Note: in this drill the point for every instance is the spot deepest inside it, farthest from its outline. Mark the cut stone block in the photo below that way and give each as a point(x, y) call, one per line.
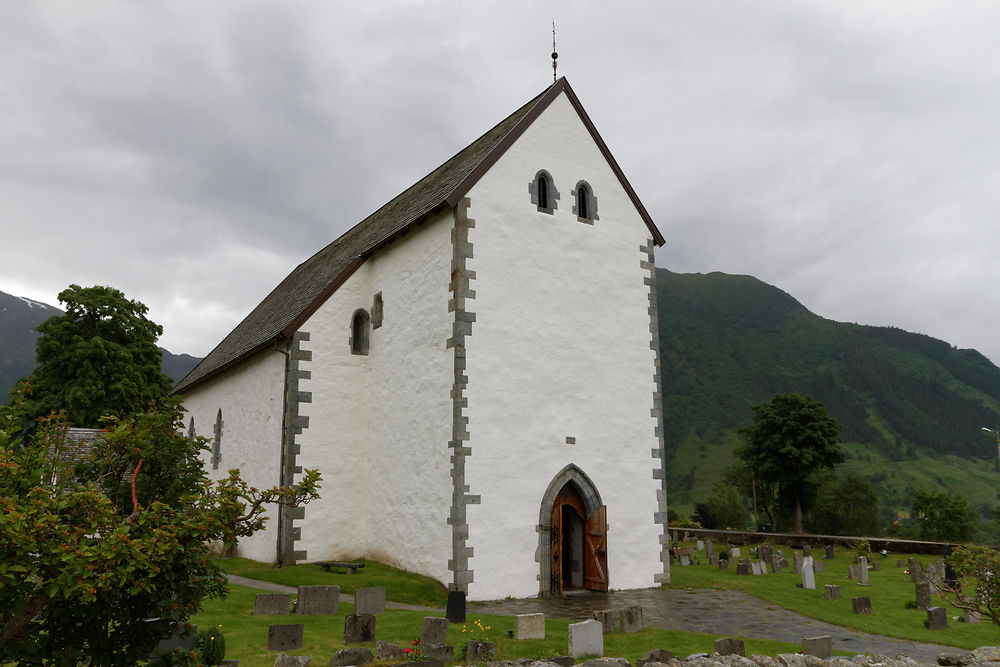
point(434, 631)
point(699, 546)
point(808, 577)
point(852, 572)
point(369, 601)
point(831, 592)
point(798, 562)
point(734, 552)
point(820, 646)
point(743, 567)
point(272, 604)
point(923, 591)
point(586, 638)
point(710, 549)
point(442, 652)
point(478, 652)
point(937, 618)
point(611, 619)
point(877, 566)
point(973, 616)
point(723, 564)
point(355, 655)
point(685, 560)
point(730, 646)
point(829, 551)
point(386, 652)
point(359, 628)
point(455, 612)
point(529, 626)
point(862, 605)
point(632, 619)
point(862, 571)
point(318, 600)
point(284, 637)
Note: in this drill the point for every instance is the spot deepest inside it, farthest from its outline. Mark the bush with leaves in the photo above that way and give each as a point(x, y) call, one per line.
point(101, 556)
point(978, 584)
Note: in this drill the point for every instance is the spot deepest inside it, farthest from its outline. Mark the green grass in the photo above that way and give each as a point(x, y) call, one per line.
point(246, 635)
point(889, 590)
point(400, 586)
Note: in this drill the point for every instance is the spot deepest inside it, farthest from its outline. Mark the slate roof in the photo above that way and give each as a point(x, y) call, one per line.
point(305, 289)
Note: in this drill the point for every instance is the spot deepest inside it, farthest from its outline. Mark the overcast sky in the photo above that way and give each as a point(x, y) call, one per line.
point(192, 153)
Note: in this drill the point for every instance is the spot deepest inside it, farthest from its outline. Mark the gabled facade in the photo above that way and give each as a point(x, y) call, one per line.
point(473, 370)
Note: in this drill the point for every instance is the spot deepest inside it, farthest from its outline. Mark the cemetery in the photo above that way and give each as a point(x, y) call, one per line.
point(367, 625)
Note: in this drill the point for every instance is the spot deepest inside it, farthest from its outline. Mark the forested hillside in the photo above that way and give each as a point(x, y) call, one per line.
point(912, 406)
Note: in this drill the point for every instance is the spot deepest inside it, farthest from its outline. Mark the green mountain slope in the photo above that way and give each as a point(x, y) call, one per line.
point(912, 406)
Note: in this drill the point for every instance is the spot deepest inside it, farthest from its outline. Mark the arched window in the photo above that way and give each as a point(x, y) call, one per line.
point(543, 192)
point(361, 325)
point(584, 202)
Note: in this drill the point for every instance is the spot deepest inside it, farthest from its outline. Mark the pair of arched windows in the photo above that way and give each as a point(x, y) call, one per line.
point(362, 324)
point(544, 195)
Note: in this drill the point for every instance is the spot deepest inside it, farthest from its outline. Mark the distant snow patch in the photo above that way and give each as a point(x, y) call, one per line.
point(34, 304)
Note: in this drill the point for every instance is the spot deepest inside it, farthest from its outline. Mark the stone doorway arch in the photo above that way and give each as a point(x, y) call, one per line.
point(572, 526)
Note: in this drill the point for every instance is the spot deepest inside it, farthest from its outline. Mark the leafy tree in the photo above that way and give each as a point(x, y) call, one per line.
point(943, 516)
point(845, 505)
point(977, 568)
point(726, 506)
point(101, 557)
point(791, 438)
point(759, 493)
point(99, 358)
point(704, 516)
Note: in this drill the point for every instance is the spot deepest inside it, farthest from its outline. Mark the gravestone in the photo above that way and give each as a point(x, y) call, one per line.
point(369, 601)
point(687, 536)
point(937, 618)
point(586, 638)
point(923, 591)
point(783, 562)
point(734, 552)
point(916, 571)
point(831, 592)
point(434, 631)
point(723, 563)
point(359, 628)
point(755, 567)
point(950, 576)
point(529, 626)
point(899, 562)
point(820, 646)
point(775, 564)
point(699, 546)
point(807, 550)
point(852, 572)
point(862, 571)
point(762, 566)
point(611, 619)
point(729, 646)
point(685, 560)
point(632, 619)
point(829, 551)
point(743, 567)
point(477, 652)
point(710, 550)
point(455, 612)
point(712, 560)
point(877, 566)
point(931, 572)
point(798, 562)
point(973, 616)
point(808, 578)
point(386, 652)
point(819, 567)
point(764, 552)
point(440, 652)
point(284, 637)
point(272, 604)
point(862, 605)
point(356, 655)
point(318, 600)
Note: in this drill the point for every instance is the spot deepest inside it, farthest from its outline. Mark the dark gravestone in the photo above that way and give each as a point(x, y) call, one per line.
point(356, 655)
point(435, 631)
point(829, 551)
point(950, 577)
point(923, 591)
point(937, 618)
point(611, 619)
point(743, 567)
point(723, 563)
point(862, 605)
point(455, 612)
point(730, 646)
point(632, 619)
point(318, 600)
point(877, 566)
point(284, 637)
point(359, 628)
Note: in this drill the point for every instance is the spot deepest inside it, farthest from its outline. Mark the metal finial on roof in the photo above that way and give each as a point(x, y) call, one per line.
point(555, 55)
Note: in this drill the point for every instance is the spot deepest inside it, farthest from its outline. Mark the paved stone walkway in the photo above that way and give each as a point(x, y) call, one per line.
point(716, 612)
point(346, 597)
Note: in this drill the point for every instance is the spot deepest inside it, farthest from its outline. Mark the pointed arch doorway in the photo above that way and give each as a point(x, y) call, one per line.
point(573, 544)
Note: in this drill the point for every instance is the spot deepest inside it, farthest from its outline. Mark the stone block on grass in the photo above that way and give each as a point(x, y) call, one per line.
point(730, 646)
point(831, 592)
point(937, 618)
point(586, 638)
point(632, 619)
point(386, 652)
point(434, 631)
point(610, 619)
point(862, 605)
point(359, 628)
point(318, 600)
point(819, 567)
point(355, 655)
point(923, 591)
point(272, 604)
point(820, 646)
point(369, 600)
point(284, 637)
point(529, 626)
point(442, 652)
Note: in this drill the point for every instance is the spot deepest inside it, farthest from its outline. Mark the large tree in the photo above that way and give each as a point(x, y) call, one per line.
point(944, 516)
point(845, 505)
point(102, 554)
point(791, 438)
point(99, 358)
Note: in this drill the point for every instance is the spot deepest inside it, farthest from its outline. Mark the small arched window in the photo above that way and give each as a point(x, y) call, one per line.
point(543, 192)
point(584, 202)
point(361, 325)
point(217, 442)
point(191, 431)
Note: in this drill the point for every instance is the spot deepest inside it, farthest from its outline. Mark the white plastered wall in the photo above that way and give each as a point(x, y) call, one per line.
point(560, 349)
point(251, 399)
point(379, 425)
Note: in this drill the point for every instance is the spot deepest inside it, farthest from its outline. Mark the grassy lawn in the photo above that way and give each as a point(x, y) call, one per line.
point(246, 635)
point(400, 586)
point(890, 589)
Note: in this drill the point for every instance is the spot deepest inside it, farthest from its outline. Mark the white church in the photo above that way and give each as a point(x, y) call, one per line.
point(473, 370)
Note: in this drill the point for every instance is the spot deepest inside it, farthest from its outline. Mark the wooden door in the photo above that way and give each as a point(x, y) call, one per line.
point(555, 549)
point(596, 550)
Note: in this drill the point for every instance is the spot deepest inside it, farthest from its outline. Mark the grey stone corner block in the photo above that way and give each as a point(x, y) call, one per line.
point(529, 626)
point(586, 638)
